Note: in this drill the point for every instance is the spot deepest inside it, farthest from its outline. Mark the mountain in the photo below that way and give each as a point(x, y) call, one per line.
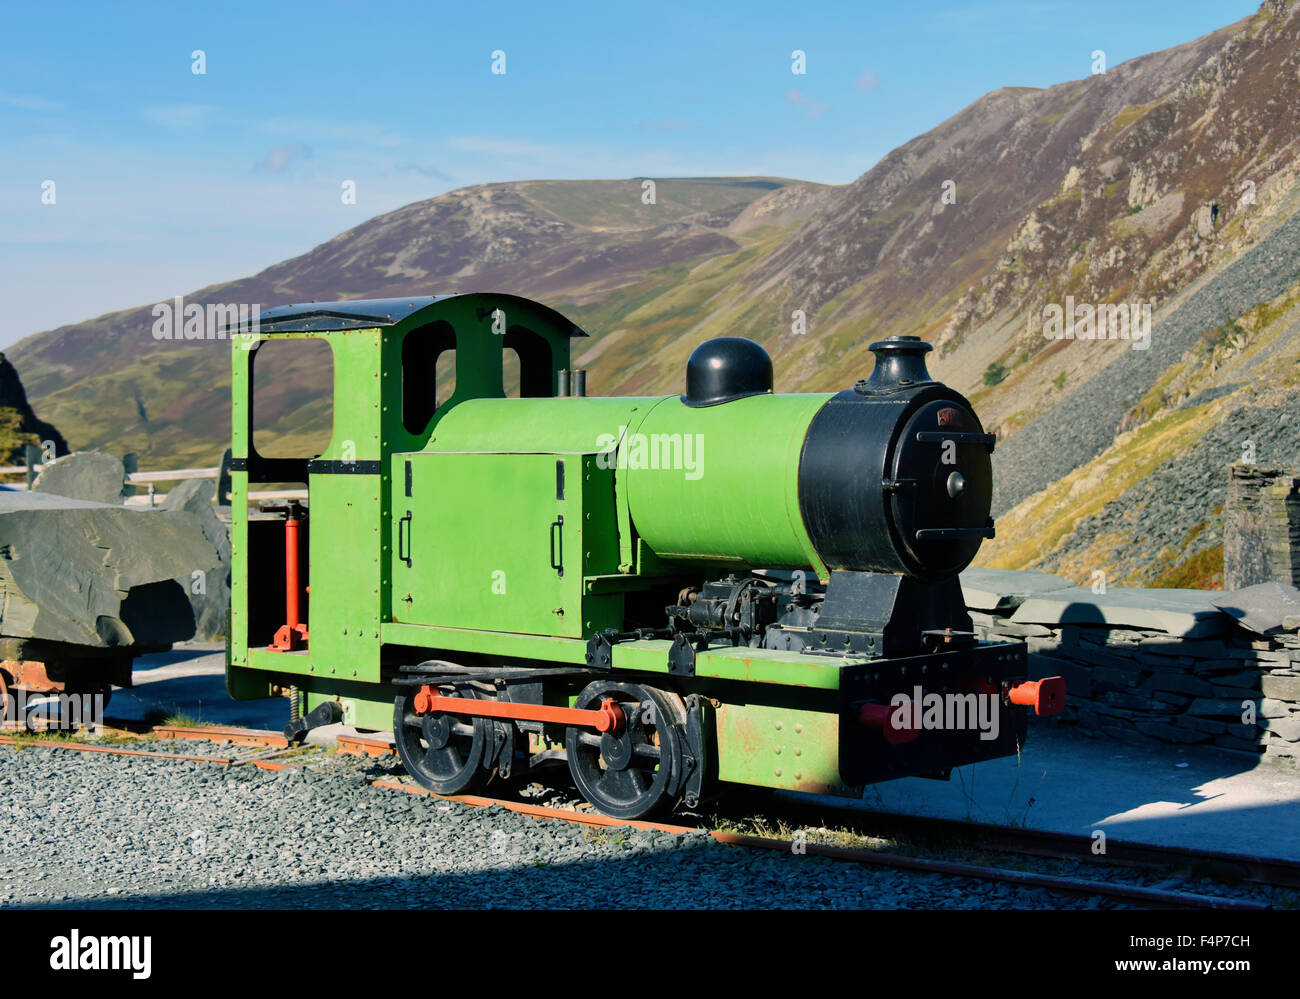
point(19, 424)
point(109, 383)
point(1168, 181)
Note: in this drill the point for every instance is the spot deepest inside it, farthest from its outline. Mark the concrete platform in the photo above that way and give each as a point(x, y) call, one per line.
point(191, 680)
point(1064, 781)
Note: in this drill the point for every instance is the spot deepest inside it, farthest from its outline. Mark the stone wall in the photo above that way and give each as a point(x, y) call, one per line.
point(1167, 666)
point(1261, 539)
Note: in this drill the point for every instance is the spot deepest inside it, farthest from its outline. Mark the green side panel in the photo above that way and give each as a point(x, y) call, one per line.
point(780, 747)
point(543, 648)
point(721, 482)
point(502, 542)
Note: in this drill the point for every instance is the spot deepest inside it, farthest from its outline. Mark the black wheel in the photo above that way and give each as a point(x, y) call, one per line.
point(442, 752)
point(635, 773)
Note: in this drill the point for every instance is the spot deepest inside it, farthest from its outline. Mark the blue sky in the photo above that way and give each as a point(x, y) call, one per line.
point(166, 180)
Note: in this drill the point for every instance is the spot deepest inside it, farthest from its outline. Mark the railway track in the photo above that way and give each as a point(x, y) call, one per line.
point(267, 746)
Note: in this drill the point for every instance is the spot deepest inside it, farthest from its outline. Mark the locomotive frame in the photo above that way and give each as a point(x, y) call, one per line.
point(474, 575)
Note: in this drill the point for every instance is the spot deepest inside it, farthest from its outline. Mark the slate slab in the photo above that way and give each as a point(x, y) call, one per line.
point(208, 590)
point(1263, 608)
point(1006, 589)
point(1181, 613)
point(84, 475)
point(96, 574)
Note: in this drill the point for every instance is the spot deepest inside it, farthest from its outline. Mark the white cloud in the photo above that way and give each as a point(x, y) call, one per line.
point(811, 108)
point(867, 81)
point(278, 160)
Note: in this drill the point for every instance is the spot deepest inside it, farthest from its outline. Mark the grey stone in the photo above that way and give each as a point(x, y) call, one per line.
point(94, 574)
point(1078, 682)
point(1180, 613)
point(1163, 646)
point(1262, 608)
point(1171, 733)
point(1244, 678)
point(209, 591)
point(83, 475)
point(1178, 682)
point(1284, 688)
point(1215, 707)
point(1241, 693)
point(1209, 726)
point(1115, 679)
point(1013, 630)
point(1004, 589)
point(1287, 728)
point(1241, 745)
point(1272, 708)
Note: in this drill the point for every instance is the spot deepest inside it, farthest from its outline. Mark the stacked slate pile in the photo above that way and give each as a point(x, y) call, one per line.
point(93, 574)
point(1173, 666)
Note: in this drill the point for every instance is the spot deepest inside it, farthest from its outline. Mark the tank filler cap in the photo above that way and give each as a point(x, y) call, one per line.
point(726, 368)
point(900, 365)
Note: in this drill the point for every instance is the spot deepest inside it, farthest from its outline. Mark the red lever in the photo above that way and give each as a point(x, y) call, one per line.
point(293, 633)
point(893, 720)
point(1045, 696)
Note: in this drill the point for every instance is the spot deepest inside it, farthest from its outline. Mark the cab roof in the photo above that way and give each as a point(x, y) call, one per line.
point(368, 313)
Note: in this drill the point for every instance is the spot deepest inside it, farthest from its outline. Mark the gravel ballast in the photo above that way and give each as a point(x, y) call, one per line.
point(101, 831)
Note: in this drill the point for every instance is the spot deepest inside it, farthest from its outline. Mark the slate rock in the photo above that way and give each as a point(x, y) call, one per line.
point(1284, 688)
point(95, 574)
point(1167, 732)
point(1263, 608)
point(1215, 707)
point(1180, 613)
point(84, 475)
point(1287, 728)
point(1006, 589)
point(1179, 683)
point(209, 593)
point(1270, 707)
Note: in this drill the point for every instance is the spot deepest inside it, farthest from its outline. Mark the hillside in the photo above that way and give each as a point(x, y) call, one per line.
point(1167, 181)
point(19, 424)
point(108, 383)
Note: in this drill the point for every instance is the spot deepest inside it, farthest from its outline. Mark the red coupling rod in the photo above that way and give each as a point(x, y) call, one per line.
point(893, 720)
point(608, 717)
point(1045, 696)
